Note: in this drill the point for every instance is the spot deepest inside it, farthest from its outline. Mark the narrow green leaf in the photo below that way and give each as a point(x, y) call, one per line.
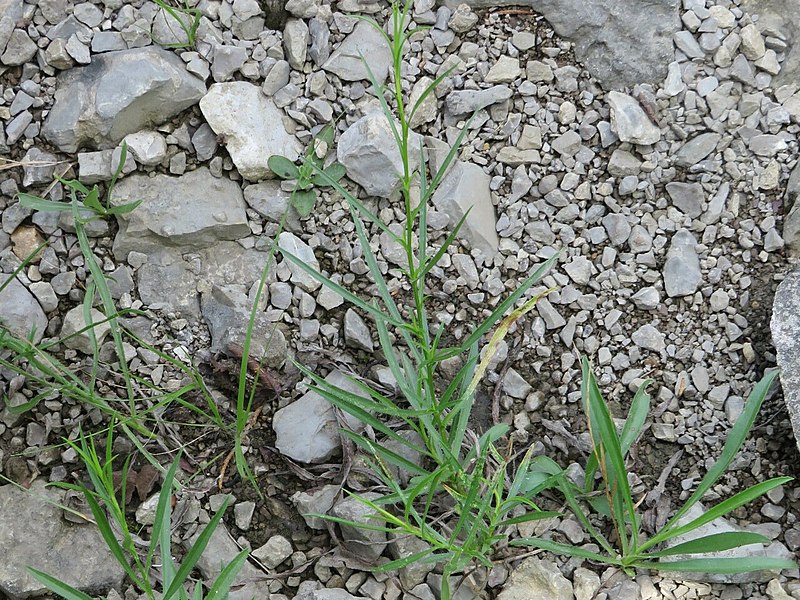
point(721, 509)
point(396, 565)
point(530, 516)
point(564, 549)
point(123, 209)
point(717, 542)
point(721, 565)
point(57, 586)
point(222, 584)
point(733, 442)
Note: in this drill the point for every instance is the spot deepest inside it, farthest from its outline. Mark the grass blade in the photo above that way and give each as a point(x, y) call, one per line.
point(717, 542)
point(721, 565)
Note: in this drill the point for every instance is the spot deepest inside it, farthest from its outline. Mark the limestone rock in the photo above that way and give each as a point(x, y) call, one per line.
point(75, 321)
point(721, 525)
point(535, 578)
point(621, 42)
point(20, 312)
point(194, 210)
point(307, 430)
point(119, 93)
point(292, 244)
point(466, 187)
point(630, 122)
point(364, 543)
point(369, 153)
point(226, 310)
point(785, 326)
point(682, 273)
point(44, 540)
point(251, 125)
point(365, 41)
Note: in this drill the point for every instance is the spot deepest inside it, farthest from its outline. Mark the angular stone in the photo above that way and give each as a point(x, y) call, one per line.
point(19, 49)
point(307, 430)
point(369, 153)
point(74, 553)
point(535, 578)
point(38, 167)
point(20, 313)
point(687, 197)
point(356, 332)
point(466, 102)
point(696, 149)
point(682, 274)
point(466, 188)
point(365, 543)
point(119, 93)
point(295, 42)
point(346, 61)
point(505, 70)
point(785, 327)
point(226, 310)
point(251, 125)
point(149, 148)
point(75, 321)
point(630, 122)
point(649, 338)
point(289, 242)
point(194, 210)
point(779, 16)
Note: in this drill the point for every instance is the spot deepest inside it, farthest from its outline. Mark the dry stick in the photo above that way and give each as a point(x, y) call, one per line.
point(225, 463)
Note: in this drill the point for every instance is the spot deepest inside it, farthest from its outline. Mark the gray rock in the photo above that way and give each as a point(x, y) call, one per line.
point(39, 168)
point(356, 332)
point(567, 144)
point(535, 578)
point(194, 210)
point(227, 60)
point(687, 44)
point(13, 9)
point(149, 148)
point(320, 41)
point(219, 553)
point(785, 327)
point(646, 298)
point(364, 543)
point(227, 310)
point(369, 153)
point(776, 15)
point(289, 242)
point(649, 338)
point(74, 553)
point(687, 197)
point(119, 93)
point(505, 70)
point(682, 274)
point(630, 122)
point(204, 142)
point(346, 61)
point(270, 201)
point(465, 102)
point(307, 430)
point(586, 584)
point(466, 188)
point(251, 124)
point(622, 163)
point(622, 43)
point(20, 313)
point(19, 49)
point(721, 525)
point(696, 149)
point(617, 227)
point(274, 552)
point(75, 322)
point(791, 225)
point(167, 29)
point(94, 166)
point(295, 42)
point(318, 502)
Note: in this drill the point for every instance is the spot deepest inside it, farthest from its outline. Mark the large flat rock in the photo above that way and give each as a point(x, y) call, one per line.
point(34, 533)
point(193, 211)
point(119, 93)
point(621, 42)
point(785, 326)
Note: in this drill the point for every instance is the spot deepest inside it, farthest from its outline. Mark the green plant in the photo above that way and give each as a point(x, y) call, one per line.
point(632, 549)
point(309, 174)
point(459, 499)
point(109, 514)
point(189, 26)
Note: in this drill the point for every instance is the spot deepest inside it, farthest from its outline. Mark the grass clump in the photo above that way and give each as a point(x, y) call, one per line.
point(464, 491)
point(156, 556)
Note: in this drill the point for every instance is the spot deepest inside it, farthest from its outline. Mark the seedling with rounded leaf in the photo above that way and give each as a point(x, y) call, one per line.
point(311, 173)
